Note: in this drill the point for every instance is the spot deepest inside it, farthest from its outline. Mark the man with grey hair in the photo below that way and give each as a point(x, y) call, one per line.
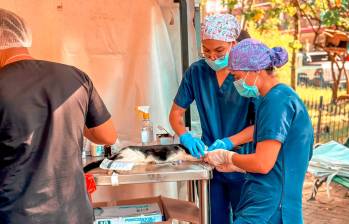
point(45, 110)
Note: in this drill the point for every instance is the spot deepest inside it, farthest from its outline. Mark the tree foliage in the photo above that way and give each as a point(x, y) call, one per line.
point(324, 12)
point(285, 14)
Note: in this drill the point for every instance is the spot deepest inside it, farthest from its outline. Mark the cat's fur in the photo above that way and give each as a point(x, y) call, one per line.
point(148, 154)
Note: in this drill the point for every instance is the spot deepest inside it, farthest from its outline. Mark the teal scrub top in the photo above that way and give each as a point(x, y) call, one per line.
point(222, 111)
point(281, 116)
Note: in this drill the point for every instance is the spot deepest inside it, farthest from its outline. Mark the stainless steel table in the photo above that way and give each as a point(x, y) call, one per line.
point(169, 172)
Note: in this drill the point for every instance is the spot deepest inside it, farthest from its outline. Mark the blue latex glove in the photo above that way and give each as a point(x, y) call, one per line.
point(194, 145)
point(224, 143)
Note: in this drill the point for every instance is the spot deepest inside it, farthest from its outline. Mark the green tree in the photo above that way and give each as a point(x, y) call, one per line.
point(268, 19)
point(331, 14)
point(286, 15)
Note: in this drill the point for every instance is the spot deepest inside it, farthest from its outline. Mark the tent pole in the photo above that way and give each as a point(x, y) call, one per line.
point(183, 11)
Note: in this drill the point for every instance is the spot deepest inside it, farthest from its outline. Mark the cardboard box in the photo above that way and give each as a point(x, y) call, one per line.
point(128, 214)
point(172, 209)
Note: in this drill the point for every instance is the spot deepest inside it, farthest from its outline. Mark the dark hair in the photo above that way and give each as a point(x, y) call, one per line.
point(243, 35)
point(270, 70)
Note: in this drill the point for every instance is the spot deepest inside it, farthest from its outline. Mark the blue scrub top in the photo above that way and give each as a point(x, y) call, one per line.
point(223, 112)
point(280, 116)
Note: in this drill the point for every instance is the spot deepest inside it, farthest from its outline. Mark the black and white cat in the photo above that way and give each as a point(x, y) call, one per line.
point(148, 154)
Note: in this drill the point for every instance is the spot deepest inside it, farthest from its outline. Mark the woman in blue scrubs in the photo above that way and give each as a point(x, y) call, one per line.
point(223, 112)
point(283, 138)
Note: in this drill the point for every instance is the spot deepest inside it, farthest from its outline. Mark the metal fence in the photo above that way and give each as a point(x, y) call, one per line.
point(330, 121)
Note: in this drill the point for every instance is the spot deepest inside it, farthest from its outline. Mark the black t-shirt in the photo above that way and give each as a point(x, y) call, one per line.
point(43, 109)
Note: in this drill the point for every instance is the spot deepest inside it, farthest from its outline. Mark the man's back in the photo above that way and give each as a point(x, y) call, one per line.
point(43, 107)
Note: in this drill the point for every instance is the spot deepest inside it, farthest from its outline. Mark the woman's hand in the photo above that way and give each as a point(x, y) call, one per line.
point(229, 168)
point(219, 157)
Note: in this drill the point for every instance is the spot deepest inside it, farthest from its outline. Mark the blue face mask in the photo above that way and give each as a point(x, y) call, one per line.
point(246, 90)
point(219, 63)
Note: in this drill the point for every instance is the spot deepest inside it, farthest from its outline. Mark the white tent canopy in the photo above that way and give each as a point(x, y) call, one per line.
point(130, 49)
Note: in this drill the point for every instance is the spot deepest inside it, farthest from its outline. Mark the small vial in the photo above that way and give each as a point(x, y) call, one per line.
point(107, 151)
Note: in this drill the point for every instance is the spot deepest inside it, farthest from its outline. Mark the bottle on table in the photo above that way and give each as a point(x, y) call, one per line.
point(147, 133)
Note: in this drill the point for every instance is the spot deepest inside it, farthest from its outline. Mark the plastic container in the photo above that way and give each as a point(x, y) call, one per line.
point(147, 133)
point(96, 150)
point(165, 139)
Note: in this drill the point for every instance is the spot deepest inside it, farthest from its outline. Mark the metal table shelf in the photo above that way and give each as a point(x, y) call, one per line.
point(155, 173)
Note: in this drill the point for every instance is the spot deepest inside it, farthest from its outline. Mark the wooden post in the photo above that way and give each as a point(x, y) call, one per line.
point(318, 128)
point(296, 37)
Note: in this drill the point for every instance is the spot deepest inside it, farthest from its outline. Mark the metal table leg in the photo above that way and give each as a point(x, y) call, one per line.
point(191, 191)
point(204, 202)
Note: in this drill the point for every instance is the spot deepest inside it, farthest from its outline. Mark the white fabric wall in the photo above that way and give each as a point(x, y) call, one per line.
point(130, 49)
point(171, 14)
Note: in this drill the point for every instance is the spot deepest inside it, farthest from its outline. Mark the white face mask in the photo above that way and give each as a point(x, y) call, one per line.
point(219, 63)
point(245, 90)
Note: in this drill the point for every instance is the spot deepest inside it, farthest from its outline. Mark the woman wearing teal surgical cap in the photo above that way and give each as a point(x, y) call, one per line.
point(223, 112)
point(283, 139)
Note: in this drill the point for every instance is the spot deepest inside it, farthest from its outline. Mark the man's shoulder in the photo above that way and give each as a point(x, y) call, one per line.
point(60, 66)
point(63, 69)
